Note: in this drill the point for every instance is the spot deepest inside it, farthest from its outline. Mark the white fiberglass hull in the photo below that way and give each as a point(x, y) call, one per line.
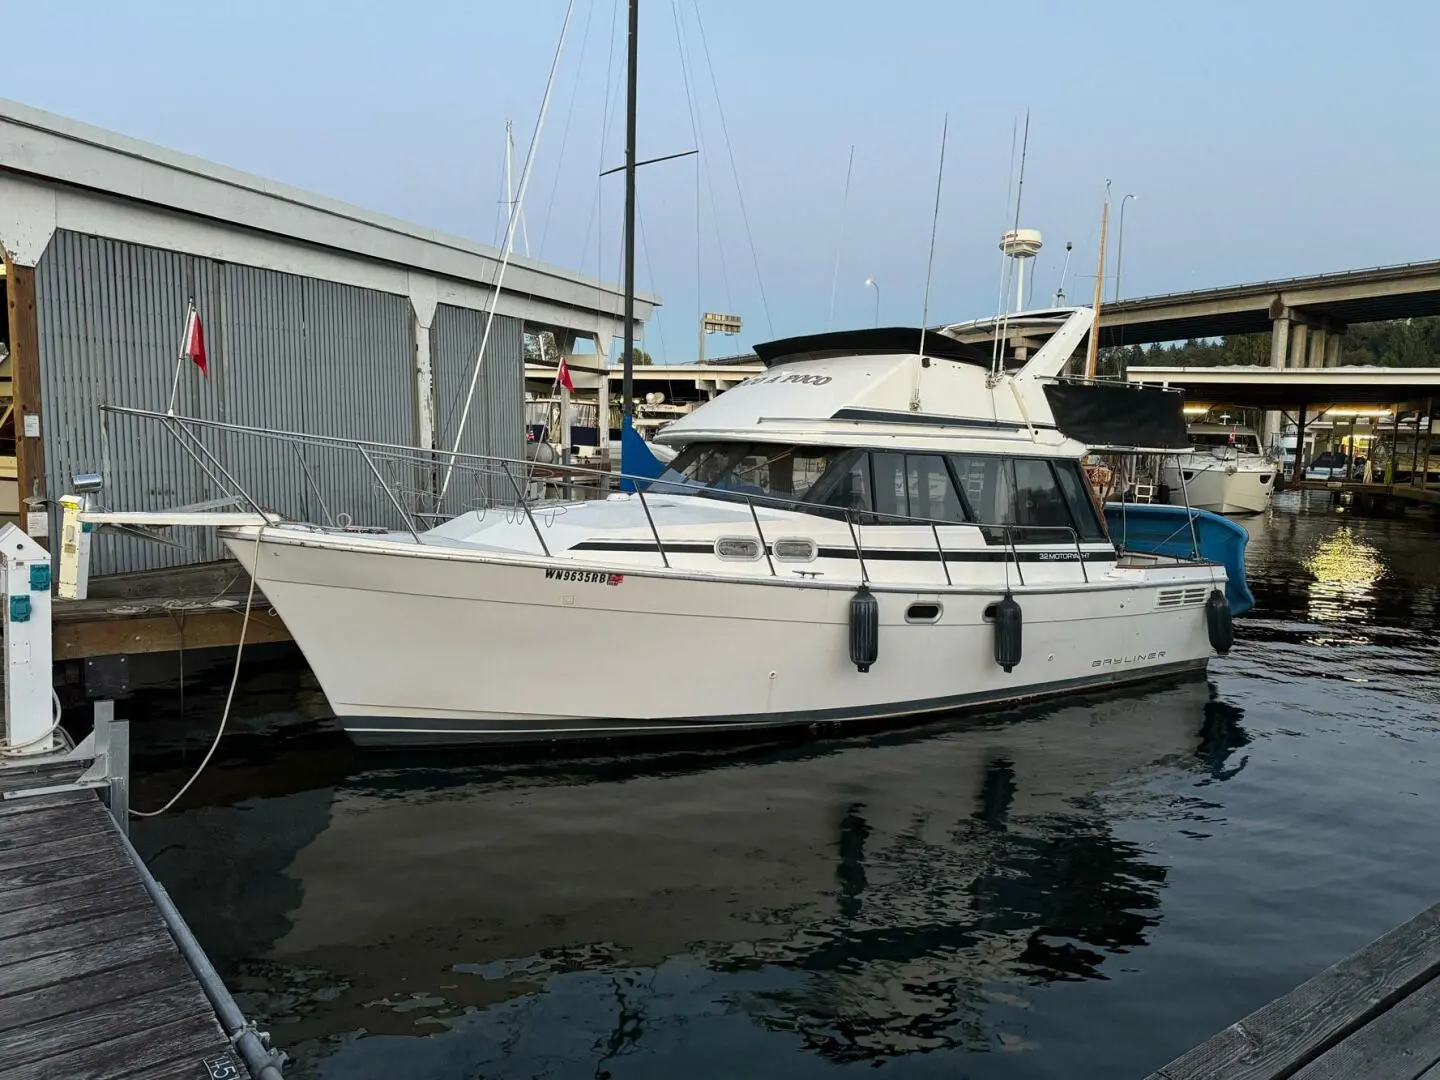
point(415, 645)
point(1213, 487)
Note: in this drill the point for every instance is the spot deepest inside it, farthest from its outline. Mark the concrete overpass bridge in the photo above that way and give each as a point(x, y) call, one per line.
point(1306, 317)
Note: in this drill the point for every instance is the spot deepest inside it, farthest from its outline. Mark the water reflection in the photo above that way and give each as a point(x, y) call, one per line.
point(866, 898)
point(1345, 569)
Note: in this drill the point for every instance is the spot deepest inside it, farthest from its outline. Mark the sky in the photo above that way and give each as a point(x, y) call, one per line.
point(1262, 139)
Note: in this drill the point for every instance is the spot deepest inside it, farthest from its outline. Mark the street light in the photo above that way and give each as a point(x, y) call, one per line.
point(1120, 244)
point(871, 283)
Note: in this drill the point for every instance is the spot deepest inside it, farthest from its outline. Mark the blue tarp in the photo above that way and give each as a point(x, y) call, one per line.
point(635, 457)
point(1157, 529)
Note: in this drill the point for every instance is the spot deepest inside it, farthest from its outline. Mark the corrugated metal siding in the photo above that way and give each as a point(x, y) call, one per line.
point(285, 352)
point(110, 317)
point(497, 416)
point(298, 354)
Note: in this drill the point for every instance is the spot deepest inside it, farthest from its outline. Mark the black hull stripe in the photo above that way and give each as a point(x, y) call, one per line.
point(373, 731)
point(877, 554)
point(883, 416)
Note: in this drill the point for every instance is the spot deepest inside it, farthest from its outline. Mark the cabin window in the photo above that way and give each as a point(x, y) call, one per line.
point(1077, 495)
point(1022, 492)
point(848, 486)
point(914, 486)
point(980, 481)
point(1039, 503)
point(889, 491)
point(932, 492)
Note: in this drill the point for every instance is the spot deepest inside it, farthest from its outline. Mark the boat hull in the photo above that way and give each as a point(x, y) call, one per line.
point(1213, 488)
point(417, 646)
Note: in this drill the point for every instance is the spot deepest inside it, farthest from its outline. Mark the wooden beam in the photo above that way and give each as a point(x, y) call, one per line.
point(25, 383)
point(160, 633)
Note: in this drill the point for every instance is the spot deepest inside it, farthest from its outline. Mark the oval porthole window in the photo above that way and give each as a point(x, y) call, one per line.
point(923, 612)
point(795, 549)
point(742, 548)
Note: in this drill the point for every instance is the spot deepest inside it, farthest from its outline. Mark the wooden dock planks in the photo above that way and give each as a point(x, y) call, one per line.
point(91, 981)
point(1375, 1014)
point(160, 611)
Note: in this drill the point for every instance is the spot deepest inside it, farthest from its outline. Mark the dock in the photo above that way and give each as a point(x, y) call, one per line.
point(160, 611)
point(1374, 1015)
point(1401, 493)
point(98, 976)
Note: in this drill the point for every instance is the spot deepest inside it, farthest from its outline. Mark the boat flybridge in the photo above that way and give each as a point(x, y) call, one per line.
point(1224, 472)
point(885, 523)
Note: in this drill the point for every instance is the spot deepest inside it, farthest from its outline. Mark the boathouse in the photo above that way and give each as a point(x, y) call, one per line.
point(318, 317)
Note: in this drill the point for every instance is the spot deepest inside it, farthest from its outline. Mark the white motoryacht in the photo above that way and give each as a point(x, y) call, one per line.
point(885, 523)
point(1225, 472)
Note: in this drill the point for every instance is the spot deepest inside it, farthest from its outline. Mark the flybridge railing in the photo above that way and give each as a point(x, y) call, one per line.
point(397, 488)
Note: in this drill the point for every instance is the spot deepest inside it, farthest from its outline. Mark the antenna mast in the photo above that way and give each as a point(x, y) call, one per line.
point(997, 356)
point(840, 240)
point(510, 191)
point(1093, 355)
point(934, 221)
point(1060, 292)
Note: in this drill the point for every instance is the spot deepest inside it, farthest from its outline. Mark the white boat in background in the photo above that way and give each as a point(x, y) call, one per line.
point(1225, 472)
point(884, 524)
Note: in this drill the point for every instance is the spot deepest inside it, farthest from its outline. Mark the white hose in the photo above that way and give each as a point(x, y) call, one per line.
point(229, 697)
point(17, 750)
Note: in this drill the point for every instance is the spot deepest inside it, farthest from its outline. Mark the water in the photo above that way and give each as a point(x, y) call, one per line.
point(1082, 890)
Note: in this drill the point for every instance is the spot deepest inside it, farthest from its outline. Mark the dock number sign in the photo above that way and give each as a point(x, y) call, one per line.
point(222, 1067)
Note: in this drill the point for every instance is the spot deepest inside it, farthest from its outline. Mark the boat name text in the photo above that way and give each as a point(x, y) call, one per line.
point(804, 379)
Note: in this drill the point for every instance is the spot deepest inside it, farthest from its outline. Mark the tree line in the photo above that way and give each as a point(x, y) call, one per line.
point(1398, 343)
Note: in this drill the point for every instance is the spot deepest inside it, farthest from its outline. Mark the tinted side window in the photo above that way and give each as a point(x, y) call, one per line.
point(981, 483)
point(1082, 505)
point(1015, 491)
point(1038, 500)
point(850, 489)
point(890, 487)
point(932, 495)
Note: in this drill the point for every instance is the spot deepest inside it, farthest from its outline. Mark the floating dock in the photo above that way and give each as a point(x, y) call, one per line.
point(99, 977)
point(1375, 1015)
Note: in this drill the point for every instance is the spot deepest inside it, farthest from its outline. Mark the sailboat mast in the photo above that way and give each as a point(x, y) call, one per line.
point(627, 385)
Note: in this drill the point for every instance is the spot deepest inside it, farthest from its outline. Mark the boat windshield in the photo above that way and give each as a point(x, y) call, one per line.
point(1045, 497)
point(1243, 441)
point(763, 470)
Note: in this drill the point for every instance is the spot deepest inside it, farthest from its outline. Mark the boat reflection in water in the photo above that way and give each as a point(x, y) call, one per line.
point(859, 899)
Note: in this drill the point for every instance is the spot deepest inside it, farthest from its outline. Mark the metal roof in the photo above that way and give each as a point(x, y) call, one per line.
point(57, 151)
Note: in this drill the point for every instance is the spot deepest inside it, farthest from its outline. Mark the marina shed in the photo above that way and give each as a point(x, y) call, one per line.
point(318, 317)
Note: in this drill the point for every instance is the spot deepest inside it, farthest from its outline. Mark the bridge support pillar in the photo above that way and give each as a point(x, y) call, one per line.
point(1299, 345)
point(1279, 342)
point(1272, 423)
point(1332, 348)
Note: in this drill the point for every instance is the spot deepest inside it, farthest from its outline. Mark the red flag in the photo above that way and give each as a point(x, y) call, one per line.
point(562, 376)
point(194, 346)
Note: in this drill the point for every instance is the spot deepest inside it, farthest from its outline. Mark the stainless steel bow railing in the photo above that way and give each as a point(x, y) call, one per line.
point(413, 492)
